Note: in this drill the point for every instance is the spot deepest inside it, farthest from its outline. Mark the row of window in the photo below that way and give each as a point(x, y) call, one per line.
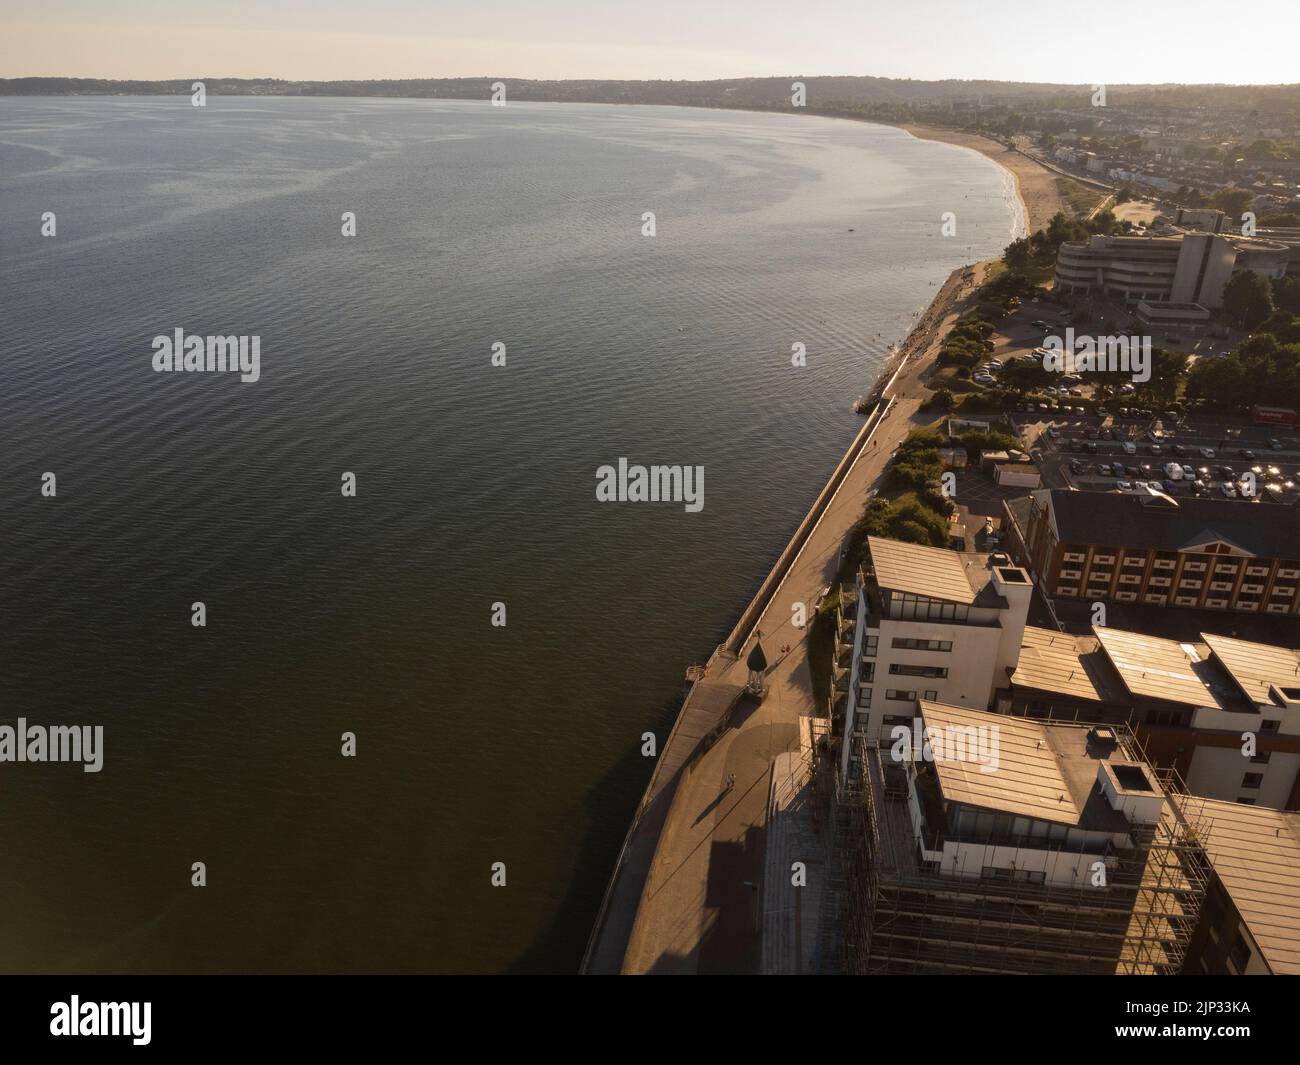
point(907, 644)
point(908, 696)
point(935, 672)
point(923, 608)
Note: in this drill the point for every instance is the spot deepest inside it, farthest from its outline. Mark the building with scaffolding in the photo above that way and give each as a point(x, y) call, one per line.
point(979, 843)
point(1250, 923)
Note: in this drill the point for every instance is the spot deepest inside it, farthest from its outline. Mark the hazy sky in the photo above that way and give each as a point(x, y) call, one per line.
point(1110, 41)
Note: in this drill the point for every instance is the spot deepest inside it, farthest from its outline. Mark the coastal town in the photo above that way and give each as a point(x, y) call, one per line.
point(1022, 694)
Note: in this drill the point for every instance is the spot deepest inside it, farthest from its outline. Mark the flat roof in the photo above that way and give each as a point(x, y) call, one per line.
point(1255, 852)
point(1052, 661)
point(1254, 666)
point(1160, 669)
point(935, 572)
point(1044, 771)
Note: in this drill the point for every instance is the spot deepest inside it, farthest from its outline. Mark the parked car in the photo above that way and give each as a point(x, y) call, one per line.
point(1104, 469)
point(1189, 474)
point(1129, 447)
point(1156, 449)
point(1228, 489)
point(1124, 486)
point(1275, 444)
point(1246, 453)
point(1207, 452)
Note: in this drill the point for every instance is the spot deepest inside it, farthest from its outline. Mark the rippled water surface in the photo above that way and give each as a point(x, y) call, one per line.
point(475, 225)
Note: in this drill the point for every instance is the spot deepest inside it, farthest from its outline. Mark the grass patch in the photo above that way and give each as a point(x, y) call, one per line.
point(1081, 198)
point(821, 650)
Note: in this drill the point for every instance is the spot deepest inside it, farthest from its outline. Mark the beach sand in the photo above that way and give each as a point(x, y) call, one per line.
point(1036, 184)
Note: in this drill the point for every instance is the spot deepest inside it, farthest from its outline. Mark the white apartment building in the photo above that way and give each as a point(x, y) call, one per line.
point(931, 624)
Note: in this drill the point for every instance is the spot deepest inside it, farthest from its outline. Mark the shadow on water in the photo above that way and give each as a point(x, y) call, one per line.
point(609, 806)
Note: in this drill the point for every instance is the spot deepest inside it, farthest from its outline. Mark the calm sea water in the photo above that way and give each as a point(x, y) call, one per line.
point(476, 744)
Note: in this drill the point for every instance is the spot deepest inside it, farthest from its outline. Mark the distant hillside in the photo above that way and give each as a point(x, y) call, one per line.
point(878, 97)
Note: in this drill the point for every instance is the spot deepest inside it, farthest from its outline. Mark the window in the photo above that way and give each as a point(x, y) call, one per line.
point(869, 646)
point(907, 644)
point(1268, 726)
point(1261, 758)
point(1240, 953)
point(932, 695)
point(901, 696)
point(1252, 780)
point(900, 670)
point(920, 607)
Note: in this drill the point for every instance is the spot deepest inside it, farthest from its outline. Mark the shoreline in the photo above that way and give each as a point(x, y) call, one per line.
point(1035, 184)
point(622, 931)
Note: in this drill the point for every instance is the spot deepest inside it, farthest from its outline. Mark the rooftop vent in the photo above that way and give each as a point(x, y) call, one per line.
point(1130, 777)
point(1103, 738)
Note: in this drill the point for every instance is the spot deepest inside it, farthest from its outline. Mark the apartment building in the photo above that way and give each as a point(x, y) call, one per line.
point(1055, 850)
point(1203, 553)
point(930, 623)
point(1186, 268)
point(1223, 713)
point(1250, 919)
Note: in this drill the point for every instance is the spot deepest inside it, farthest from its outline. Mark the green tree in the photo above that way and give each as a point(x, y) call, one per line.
point(1248, 298)
point(1017, 254)
point(1232, 201)
point(1286, 294)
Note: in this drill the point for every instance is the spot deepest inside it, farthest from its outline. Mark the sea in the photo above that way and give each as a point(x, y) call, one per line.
point(372, 663)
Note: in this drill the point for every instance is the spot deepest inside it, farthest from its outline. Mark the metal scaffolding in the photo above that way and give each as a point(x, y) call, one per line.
point(888, 911)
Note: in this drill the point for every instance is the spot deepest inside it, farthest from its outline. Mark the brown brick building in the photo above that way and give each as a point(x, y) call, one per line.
point(1199, 553)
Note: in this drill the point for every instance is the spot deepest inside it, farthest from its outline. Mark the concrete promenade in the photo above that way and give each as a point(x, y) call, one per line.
point(684, 897)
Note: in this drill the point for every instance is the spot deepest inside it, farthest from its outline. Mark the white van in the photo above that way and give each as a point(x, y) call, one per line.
point(1173, 471)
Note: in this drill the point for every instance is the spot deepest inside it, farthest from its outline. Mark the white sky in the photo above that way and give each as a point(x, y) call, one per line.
point(1101, 41)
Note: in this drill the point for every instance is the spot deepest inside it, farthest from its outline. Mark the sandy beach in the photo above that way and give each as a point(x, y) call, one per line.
point(1036, 184)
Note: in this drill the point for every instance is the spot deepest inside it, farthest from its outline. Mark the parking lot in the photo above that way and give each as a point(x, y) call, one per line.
point(1082, 450)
